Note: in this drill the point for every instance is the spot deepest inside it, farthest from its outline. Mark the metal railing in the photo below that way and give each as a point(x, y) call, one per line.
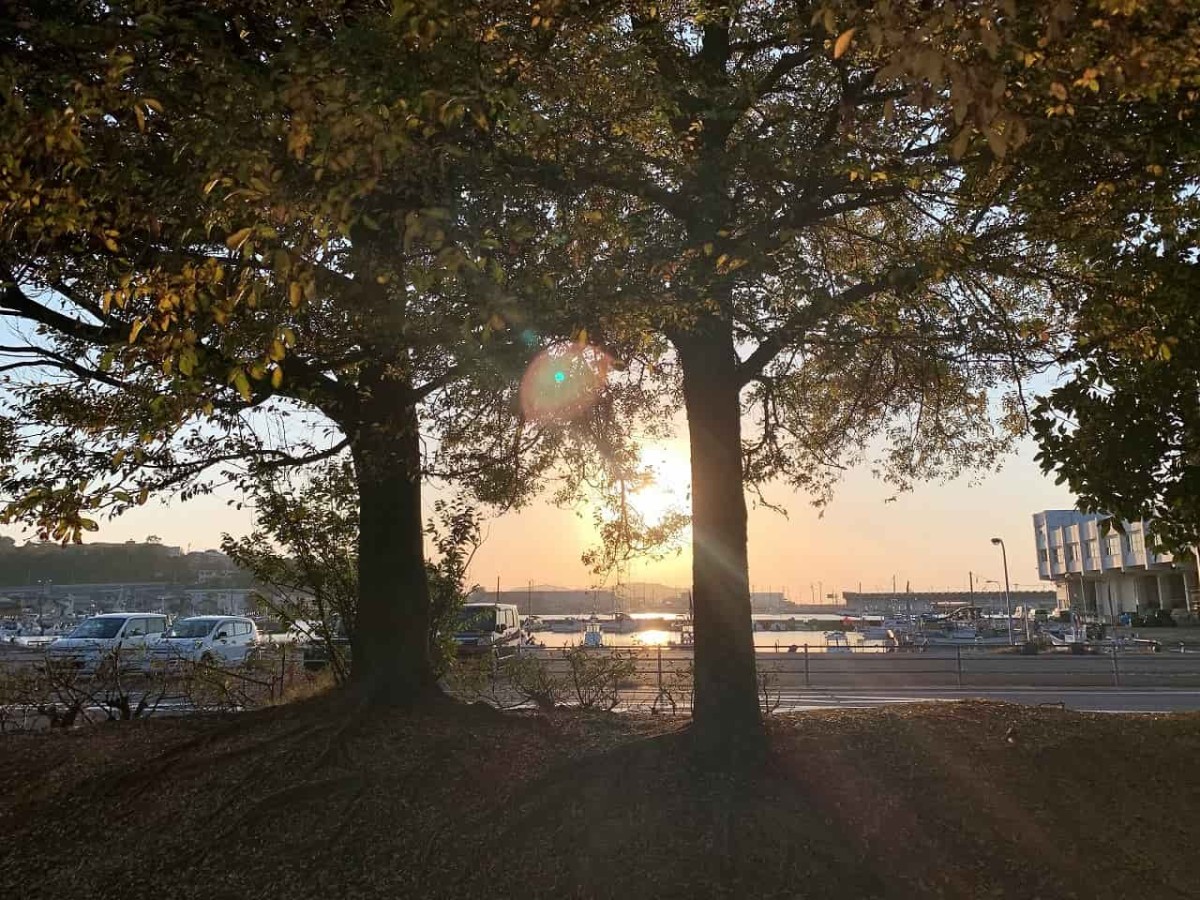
point(951, 667)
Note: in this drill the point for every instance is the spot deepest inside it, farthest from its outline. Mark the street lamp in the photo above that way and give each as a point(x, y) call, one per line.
point(1007, 599)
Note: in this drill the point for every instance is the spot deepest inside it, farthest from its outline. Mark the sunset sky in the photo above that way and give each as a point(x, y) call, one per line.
point(931, 537)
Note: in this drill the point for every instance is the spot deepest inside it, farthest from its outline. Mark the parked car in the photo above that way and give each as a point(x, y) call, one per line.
point(488, 627)
point(127, 636)
point(318, 645)
point(214, 640)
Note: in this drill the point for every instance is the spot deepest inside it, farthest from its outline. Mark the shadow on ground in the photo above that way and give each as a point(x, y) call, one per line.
point(321, 800)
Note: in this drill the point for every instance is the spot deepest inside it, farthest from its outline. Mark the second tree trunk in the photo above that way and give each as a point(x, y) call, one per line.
point(726, 684)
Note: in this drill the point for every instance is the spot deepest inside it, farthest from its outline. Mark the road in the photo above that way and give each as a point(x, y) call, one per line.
point(1110, 701)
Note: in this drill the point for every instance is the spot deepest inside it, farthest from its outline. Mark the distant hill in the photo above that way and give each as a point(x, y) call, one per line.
point(39, 562)
point(649, 593)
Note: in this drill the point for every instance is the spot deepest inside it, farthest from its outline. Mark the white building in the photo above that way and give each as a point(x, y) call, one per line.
point(1097, 569)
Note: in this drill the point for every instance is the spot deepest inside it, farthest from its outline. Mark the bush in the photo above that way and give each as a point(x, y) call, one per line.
point(530, 677)
point(596, 678)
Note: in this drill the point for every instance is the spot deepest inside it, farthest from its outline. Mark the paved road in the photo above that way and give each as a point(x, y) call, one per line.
point(1114, 701)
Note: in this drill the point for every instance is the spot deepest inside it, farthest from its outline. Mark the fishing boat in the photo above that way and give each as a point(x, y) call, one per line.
point(836, 642)
point(593, 635)
point(569, 625)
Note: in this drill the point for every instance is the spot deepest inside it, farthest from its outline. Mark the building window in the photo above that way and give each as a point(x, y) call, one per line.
point(1058, 555)
point(1094, 548)
point(1137, 542)
point(1045, 555)
point(1114, 545)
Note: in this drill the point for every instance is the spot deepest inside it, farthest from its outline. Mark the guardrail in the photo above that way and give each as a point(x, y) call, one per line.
point(954, 667)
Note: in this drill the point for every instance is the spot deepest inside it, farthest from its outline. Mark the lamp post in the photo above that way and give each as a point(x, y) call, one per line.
point(1007, 597)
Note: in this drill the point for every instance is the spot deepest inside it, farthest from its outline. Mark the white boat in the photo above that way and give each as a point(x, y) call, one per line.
point(836, 642)
point(884, 629)
point(963, 637)
point(593, 636)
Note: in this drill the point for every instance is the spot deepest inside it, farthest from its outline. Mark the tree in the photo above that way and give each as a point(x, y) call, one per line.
point(826, 211)
point(304, 552)
point(1121, 427)
point(237, 241)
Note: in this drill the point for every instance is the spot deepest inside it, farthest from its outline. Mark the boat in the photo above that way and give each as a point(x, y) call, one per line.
point(593, 635)
point(836, 642)
point(534, 623)
point(569, 625)
point(883, 629)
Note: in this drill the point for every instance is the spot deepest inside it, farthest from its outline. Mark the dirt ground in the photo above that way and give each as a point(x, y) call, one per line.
point(315, 799)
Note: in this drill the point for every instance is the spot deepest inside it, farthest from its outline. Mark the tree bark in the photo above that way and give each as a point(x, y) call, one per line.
point(391, 659)
point(726, 685)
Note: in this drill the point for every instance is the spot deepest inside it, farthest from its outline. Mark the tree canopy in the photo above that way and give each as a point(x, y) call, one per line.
point(832, 232)
point(854, 229)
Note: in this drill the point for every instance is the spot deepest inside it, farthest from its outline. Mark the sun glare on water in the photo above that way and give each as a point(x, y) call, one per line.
point(653, 638)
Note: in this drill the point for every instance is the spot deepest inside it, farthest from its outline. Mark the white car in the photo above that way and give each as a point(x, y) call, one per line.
point(216, 640)
point(125, 635)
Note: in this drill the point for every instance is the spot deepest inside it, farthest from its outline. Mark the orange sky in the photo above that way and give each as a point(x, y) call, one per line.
point(931, 537)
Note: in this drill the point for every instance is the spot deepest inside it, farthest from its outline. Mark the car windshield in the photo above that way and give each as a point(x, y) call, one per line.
point(98, 628)
point(190, 628)
point(477, 618)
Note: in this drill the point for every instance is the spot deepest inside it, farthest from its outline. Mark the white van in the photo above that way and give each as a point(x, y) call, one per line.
point(215, 640)
point(486, 627)
point(126, 635)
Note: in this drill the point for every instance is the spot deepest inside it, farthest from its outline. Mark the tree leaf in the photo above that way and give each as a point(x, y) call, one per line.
point(842, 44)
point(239, 237)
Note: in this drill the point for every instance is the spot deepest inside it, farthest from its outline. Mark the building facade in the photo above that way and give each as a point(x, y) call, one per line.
point(1096, 569)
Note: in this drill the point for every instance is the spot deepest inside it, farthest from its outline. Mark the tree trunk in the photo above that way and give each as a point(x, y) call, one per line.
point(391, 658)
point(726, 687)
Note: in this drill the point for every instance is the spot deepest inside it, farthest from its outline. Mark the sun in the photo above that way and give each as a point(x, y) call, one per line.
point(666, 488)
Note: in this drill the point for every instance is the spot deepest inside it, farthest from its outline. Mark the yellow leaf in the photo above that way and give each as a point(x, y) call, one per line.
point(153, 104)
point(295, 294)
point(242, 385)
point(1059, 91)
point(135, 329)
point(140, 116)
point(842, 44)
point(118, 458)
point(959, 145)
point(239, 237)
point(277, 351)
point(142, 496)
point(276, 377)
point(708, 249)
point(997, 142)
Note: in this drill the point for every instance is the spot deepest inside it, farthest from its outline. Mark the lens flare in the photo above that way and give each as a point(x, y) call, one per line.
point(563, 381)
